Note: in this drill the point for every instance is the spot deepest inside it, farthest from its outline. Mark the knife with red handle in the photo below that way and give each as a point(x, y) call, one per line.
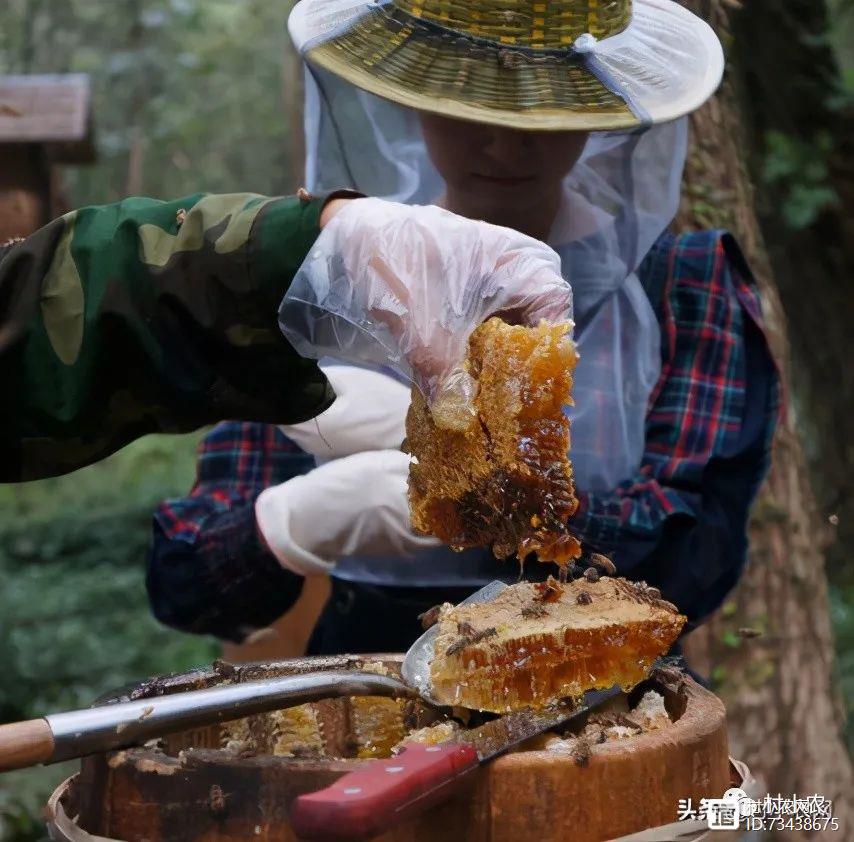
point(364, 803)
point(373, 799)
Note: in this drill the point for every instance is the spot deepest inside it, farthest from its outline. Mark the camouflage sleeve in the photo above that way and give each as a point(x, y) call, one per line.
point(147, 316)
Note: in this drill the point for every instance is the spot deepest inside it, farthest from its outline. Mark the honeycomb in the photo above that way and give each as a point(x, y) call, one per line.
point(297, 732)
point(290, 732)
point(536, 643)
point(377, 724)
point(504, 480)
point(235, 735)
point(431, 735)
point(359, 726)
point(363, 727)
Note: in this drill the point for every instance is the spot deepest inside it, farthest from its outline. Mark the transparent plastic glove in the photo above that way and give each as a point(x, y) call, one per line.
point(351, 506)
point(406, 285)
point(369, 413)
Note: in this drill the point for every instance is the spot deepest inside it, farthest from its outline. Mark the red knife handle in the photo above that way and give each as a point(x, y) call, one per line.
point(369, 801)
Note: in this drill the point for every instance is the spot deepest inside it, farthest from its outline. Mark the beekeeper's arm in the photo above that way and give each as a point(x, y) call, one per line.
point(148, 316)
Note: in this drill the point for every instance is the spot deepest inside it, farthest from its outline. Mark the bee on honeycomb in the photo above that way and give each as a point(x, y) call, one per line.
point(535, 643)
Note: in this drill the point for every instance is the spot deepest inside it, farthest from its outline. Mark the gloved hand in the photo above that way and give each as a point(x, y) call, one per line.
point(406, 285)
point(369, 413)
point(350, 506)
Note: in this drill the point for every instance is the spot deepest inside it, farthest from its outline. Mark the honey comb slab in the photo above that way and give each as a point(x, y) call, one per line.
point(505, 481)
point(535, 643)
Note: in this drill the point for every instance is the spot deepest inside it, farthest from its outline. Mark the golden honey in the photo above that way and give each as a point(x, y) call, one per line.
point(529, 648)
point(297, 732)
point(377, 725)
point(504, 481)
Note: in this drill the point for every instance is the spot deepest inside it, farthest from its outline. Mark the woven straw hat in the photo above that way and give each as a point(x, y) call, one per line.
point(529, 64)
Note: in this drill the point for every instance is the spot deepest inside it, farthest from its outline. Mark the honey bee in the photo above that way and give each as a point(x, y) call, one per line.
point(216, 800)
point(603, 563)
point(469, 639)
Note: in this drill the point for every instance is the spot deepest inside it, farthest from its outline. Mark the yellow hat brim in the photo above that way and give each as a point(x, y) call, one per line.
point(489, 84)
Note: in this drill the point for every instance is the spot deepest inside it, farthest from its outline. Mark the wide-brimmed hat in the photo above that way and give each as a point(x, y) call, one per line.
point(529, 64)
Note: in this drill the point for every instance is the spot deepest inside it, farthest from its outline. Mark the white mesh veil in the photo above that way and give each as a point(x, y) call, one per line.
point(617, 200)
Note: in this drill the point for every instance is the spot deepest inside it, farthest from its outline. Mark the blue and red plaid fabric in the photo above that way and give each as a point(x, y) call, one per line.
point(699, 406)
point(679, 523)
point(237, 460)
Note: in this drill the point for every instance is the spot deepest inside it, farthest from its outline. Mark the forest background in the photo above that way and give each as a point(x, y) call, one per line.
point(196, 95)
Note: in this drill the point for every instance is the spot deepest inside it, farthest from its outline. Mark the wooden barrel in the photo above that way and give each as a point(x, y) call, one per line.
point(190, 789)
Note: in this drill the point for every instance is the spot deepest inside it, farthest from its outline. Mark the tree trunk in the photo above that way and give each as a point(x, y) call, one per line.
point(784, 713)
point(790, 76)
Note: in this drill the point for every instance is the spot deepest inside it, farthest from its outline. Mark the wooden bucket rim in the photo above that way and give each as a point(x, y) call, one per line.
point(702, 714)
point(63, 828)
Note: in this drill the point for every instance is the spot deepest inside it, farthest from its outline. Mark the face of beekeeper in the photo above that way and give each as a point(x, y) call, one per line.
point(501, 175)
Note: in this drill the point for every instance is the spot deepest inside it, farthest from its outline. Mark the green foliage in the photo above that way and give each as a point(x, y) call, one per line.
point(718, 677)
point(795, 166)
point(841, 36)
point(842, 615)
point(22, 798)
point(74, 618)
point(798, 170)
point(729, 609)
point(730, 639)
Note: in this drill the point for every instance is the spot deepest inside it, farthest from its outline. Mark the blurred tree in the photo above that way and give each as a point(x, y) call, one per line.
point(189, 94)
point(801, 118)
point(784, 711)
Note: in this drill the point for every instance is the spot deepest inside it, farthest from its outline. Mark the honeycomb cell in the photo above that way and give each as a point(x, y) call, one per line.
point(297, 732)
point(377, 725)
point(533, 644)
point(505, 480)
point(290, 732)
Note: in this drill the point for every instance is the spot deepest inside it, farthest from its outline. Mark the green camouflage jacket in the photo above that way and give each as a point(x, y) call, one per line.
point(148, 316)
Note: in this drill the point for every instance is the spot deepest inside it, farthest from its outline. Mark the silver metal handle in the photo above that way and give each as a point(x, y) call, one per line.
point(81, 732)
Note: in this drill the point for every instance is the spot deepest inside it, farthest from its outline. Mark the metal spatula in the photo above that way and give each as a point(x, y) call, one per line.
point(416, 664)
point(63, 736)
point(76, 733)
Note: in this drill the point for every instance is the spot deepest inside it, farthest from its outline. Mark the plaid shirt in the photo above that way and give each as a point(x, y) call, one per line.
point(680, 523)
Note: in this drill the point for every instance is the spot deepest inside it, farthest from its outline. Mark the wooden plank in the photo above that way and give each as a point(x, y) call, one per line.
point(54, 110)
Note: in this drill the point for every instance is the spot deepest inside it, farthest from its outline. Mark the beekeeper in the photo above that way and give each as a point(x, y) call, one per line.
point(563, 120)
